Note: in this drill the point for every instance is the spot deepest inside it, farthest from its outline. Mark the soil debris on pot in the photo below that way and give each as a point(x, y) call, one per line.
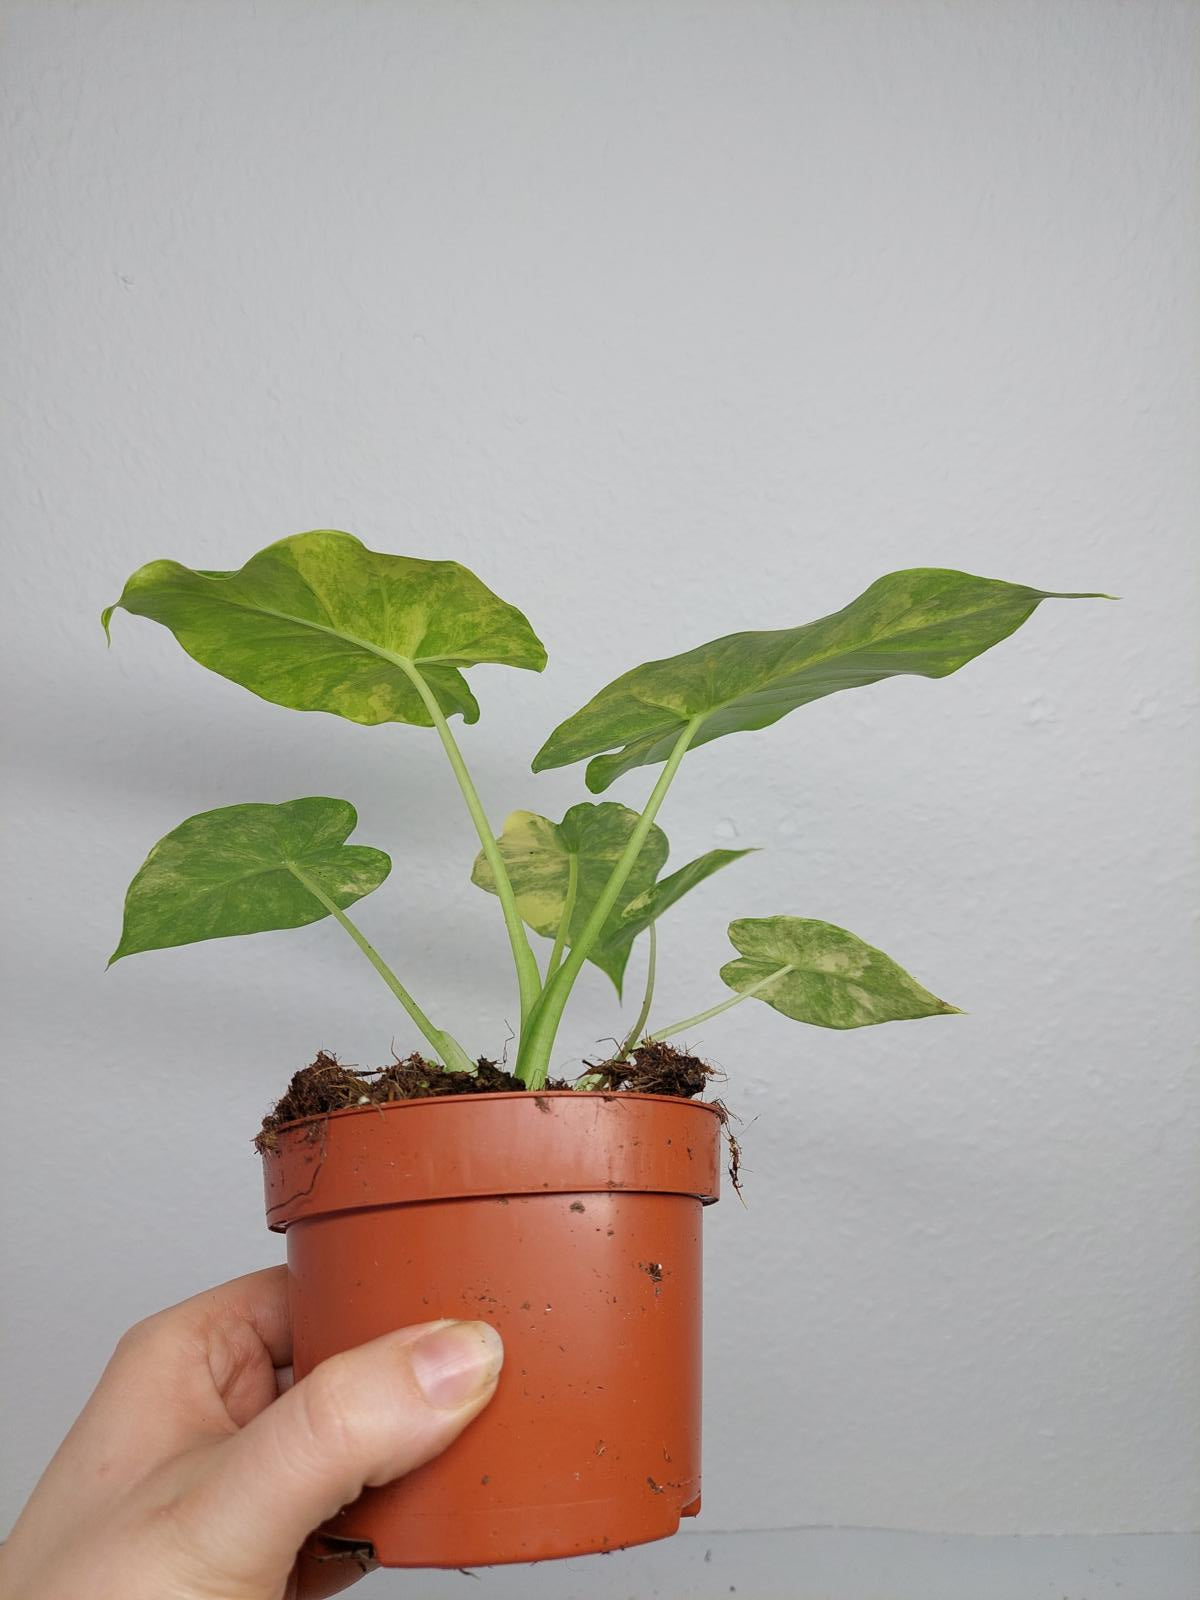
point(328, 1085)
point(655, 1068)
point(658, 1068)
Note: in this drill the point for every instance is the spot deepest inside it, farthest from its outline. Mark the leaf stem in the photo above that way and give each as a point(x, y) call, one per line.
point(564, 922)
point(528, 977)
point(635, 1033)
point(453, 1057)
point(533, 1057)
point(725, 1005)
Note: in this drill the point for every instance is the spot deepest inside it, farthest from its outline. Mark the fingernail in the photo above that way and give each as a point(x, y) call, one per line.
point(456, 1363)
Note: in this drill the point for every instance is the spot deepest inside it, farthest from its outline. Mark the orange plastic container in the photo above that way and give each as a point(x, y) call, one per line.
point(571, 1222)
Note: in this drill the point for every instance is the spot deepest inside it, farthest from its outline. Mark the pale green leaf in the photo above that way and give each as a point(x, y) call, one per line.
point(538, 855)
point(815, 972)
point(227, 872)
point(925, 620)
point(320, 623)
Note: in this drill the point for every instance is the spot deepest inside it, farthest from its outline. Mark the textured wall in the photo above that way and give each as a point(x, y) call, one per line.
point(668, 320)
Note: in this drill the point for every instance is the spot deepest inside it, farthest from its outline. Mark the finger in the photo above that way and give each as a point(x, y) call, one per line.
point(223, 1344)
point(245, 1331)
point(205, 1367)
point(258, 1299)
point(197, 1370)
point(361, 1418)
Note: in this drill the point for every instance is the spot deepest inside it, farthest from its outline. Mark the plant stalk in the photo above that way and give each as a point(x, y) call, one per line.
point(564, 922)
point(452, 1055)
point(635, 1033)
point(715, 1011)
point(533, 1056)
point(529, 978)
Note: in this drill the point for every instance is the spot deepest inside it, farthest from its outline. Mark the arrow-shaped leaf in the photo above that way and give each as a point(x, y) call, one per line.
point(551, 864)
point(925, 620)
point(320, 623)
point(646, 908)
point(815, 972)
point(229, 872)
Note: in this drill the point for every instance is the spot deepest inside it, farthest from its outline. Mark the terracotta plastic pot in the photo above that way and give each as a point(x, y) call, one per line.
point(571, 1222)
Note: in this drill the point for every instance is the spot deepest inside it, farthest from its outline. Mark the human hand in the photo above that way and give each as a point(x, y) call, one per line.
point(196, 1470)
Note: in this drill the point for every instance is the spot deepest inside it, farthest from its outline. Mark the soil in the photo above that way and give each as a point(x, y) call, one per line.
point(655, 1068)
point(327, 1085)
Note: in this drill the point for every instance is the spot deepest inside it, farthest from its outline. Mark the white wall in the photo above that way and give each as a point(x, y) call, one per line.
point(667, 319)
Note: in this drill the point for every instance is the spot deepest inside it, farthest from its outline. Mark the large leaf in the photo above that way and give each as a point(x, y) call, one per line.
point(230, 872)
point(815, 972)
point(924, 621)
point(538, 855)
point(623, 929)
point(320, 623)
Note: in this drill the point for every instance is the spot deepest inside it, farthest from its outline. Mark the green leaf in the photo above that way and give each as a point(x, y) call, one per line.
point(646, 908)
point(538, 854)
point(824, 975)
point(320, 623)
point(226, 872)
point(925, 621)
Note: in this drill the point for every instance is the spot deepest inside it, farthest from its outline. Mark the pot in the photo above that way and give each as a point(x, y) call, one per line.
point(571, 1222)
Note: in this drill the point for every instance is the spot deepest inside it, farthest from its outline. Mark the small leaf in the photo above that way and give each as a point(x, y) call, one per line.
point(538, 854)
point(226, 872)
point(925, 620)
point(320, 623)
point(824, 975)
point(648, 907)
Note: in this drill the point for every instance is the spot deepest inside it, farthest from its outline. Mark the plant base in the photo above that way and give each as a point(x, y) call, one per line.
point(572, 1223)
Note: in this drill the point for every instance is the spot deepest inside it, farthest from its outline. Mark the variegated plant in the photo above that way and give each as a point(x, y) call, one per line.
point(318, 622)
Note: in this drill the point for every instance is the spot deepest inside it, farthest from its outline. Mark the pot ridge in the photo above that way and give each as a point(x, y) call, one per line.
point(470, 1146)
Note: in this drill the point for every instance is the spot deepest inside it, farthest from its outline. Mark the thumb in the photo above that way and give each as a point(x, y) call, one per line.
point(359, 1419)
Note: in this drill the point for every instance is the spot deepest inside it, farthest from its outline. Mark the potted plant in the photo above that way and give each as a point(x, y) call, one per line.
point(442, 1186)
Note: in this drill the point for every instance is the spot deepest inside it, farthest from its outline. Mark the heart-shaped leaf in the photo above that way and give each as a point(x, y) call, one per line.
point(552, 863)
point(924, 620)
point(230, 872)
point(815, 972)
point(320, 623)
